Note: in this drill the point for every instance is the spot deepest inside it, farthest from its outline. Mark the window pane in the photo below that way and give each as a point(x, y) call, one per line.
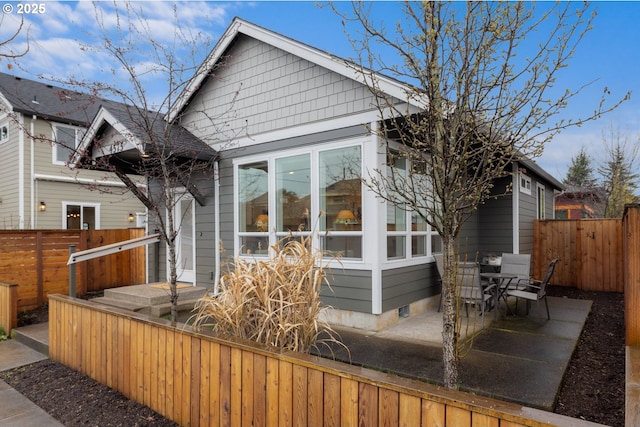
point(73, 217)
point(66, 143)
point(436, 244)
point(253, 196)
point(88, 218)
point(395, 247)
point(396, 216)
point(254, 245)
point(293, 193)
point(418, 223)
point(418, 245)
point(341, 189)
point(343, 246)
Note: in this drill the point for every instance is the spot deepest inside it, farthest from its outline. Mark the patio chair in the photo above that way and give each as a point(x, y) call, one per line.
point(518, 265)
point(536, 290)
point(470, 289)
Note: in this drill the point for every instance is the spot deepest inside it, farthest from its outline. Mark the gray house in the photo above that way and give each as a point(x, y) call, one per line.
point(40, 127)
point(297, 143)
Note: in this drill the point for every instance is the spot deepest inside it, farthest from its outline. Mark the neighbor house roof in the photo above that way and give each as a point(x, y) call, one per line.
point(49, 102)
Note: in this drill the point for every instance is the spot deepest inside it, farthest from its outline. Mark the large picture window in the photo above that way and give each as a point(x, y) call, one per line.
point(286, 194)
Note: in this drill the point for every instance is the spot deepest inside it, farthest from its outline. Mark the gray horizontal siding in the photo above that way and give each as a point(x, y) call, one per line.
point(402, 286)
point(350, 290)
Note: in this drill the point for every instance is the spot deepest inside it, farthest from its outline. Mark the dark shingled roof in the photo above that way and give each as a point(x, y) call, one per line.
point(76, 108)
point(143, 123)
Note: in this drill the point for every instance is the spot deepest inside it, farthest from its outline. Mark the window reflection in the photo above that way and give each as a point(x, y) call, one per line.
point(293, 193)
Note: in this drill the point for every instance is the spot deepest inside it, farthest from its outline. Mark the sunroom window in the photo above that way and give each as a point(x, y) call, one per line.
point(253, 208)
point(285, 194)
point(408, 234)
point(341, 201)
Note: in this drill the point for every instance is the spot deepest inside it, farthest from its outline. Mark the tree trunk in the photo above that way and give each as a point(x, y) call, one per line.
point(449, 315)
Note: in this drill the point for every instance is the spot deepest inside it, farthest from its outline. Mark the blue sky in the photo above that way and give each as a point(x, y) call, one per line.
point(609, 56)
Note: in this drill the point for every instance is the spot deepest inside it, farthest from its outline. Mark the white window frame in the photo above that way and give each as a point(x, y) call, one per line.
point(314, 152)
point(524, 183)
point(408, 233)
point(82, 205)
point(541, 203)
point(78, 137)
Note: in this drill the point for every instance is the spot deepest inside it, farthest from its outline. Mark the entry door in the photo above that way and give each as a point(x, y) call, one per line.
point(184, 217)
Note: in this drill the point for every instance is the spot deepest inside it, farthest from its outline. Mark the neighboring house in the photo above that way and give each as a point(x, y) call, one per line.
point(303, 118)
point(580, 203)
point(39, 190)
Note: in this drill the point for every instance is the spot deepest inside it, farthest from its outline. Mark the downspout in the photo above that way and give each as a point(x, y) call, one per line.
point(216, 216)
point(32, 181)
point(21, 175)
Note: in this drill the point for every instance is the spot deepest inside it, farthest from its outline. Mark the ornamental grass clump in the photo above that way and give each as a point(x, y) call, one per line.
point(274, 302)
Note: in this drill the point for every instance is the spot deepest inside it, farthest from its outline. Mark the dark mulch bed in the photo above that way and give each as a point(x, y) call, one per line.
point(593, 388)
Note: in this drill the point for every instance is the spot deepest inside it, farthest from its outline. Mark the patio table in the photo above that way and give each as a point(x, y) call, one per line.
point(502, 282)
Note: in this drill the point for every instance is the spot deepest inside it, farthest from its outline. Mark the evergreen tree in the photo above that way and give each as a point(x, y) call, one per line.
point(580, 173)
point(618, 179)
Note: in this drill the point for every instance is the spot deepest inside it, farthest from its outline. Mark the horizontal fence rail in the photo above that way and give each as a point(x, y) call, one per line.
point(36, 261)
point(590, 253)
point(198, 379)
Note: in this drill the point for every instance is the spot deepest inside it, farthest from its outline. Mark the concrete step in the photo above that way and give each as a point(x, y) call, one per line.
point(34, 336)
point(153, 293)
point(120, 303)
point(159, 310)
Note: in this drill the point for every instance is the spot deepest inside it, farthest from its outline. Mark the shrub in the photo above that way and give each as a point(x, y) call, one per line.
point(274, 302)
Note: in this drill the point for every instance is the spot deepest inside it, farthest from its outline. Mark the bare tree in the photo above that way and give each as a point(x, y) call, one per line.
point(6, 50)
point(481, 97)
point(172, 160)
point(619, 179)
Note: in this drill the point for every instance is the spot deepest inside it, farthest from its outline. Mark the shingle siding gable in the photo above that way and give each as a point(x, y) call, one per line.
point(262, 88)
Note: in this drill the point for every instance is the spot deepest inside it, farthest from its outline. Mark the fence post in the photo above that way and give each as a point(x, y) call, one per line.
point(631, 274)
point(8, 307)
point(72, 273)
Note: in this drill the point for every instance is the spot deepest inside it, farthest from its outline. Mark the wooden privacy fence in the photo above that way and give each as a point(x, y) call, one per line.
point(36, 260)
point(631, 238)
point(590, 252)
point(197, 379)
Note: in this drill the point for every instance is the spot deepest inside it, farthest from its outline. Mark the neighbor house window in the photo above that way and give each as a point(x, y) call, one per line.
point(525, 184)
point(4, 133)
point(80, 216)
point(541, 202)
point(285, 194)
point(67, 140)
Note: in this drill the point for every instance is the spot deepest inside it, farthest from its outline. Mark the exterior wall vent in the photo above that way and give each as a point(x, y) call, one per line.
point(403, 311)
